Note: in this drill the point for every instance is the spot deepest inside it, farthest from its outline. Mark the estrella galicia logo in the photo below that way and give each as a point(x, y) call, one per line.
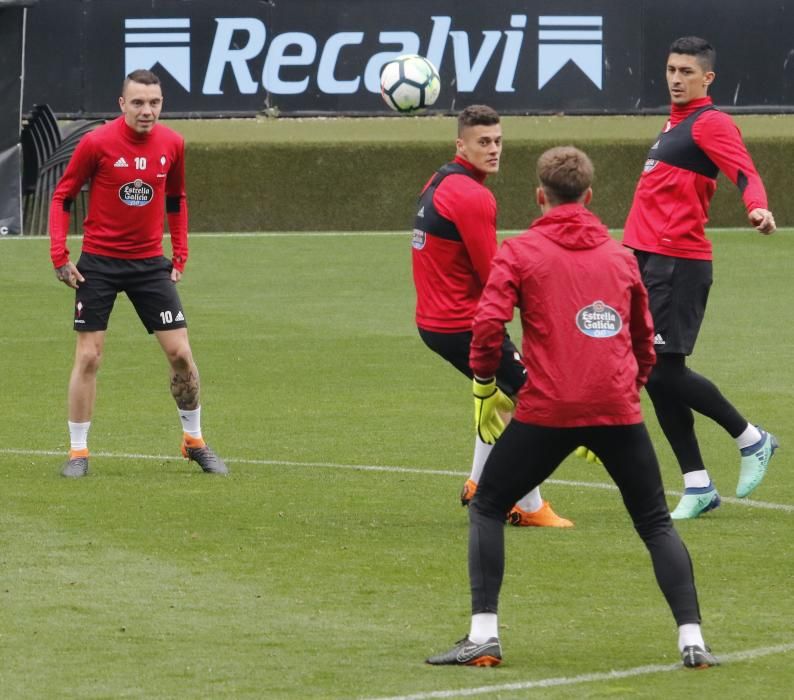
point(164, 41)
point(136, 193)
point(599, 320)
point(418, 239)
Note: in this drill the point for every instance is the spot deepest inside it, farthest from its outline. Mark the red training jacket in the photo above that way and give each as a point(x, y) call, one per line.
point(450, 275)
point(671, 204)
point(587, 332)
point(134, 179)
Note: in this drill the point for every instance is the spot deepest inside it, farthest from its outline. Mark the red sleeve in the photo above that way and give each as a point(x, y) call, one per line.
point(176, 209)
point(641, 329)
point(80, 169)
point(472, 208)
point(497, 302)
point(720, 139)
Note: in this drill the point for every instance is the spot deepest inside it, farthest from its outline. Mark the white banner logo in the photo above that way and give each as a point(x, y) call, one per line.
point(576, 38)
point(163, 47)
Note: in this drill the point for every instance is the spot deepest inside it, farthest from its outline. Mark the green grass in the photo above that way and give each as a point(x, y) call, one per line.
point(306, 573)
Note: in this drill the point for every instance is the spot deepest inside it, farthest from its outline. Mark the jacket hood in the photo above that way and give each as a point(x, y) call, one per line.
point(572, 226)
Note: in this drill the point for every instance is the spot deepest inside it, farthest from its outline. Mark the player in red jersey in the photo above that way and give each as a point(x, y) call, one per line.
point(454, 241)
point(137, 172)
point(665, 227)
point(587, 341)
point(588, 346)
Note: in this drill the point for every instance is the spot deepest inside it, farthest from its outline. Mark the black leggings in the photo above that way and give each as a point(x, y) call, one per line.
point(676, 391)
point(526, 455)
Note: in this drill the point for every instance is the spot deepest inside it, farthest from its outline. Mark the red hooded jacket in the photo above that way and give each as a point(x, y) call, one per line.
point(587, 332)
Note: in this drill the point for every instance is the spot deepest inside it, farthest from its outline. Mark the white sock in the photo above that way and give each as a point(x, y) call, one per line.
point(483, 627)
point(191, 422)
point(532, 501)
point(750, 436)
point(690, 635)
point(697, 480)
point(481, 452)
point(78, 435)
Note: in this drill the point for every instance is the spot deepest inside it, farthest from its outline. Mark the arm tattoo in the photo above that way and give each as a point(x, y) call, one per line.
point(185, 389)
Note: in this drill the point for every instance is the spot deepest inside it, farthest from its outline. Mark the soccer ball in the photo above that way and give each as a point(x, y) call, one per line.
point(409, 83)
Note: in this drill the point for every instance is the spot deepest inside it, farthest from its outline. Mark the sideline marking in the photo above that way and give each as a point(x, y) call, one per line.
point(589, 677)
point(787, 508)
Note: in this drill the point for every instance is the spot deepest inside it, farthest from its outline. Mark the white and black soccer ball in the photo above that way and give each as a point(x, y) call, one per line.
point(409, 83)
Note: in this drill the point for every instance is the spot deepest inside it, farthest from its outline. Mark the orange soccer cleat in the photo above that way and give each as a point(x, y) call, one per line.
point(467, 492)
point(543, 517)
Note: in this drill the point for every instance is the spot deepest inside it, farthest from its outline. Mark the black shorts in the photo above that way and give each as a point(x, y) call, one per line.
point(454, 348)
point(678, 290)
point(146, 282)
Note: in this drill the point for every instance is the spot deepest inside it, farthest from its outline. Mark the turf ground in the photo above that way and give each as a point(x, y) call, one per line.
point(332, 560)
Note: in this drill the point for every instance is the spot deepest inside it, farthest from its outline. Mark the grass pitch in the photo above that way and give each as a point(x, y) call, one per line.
point(333, 559)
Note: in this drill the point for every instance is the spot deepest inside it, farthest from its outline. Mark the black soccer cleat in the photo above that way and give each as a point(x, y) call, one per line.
point(204, 456)
point(467, 653)
point(697, 657)
point(75, 467)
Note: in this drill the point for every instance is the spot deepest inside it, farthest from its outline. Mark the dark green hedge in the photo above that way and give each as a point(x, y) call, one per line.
point(373, 186)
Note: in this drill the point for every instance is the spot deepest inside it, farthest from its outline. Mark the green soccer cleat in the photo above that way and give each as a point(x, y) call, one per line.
point(695, 502)
point(755, 461)
point(467, 653)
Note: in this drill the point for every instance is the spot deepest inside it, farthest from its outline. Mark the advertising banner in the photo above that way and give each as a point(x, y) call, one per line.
point(243, 57)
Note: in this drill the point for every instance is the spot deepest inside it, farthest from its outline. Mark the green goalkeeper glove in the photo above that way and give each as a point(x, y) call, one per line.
point(488, 401)
point(588, 455)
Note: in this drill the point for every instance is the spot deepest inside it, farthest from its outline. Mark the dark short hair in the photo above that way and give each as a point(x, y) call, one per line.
point(564, 173)
point(145, 77)
point(477, 115)
point(697, 47)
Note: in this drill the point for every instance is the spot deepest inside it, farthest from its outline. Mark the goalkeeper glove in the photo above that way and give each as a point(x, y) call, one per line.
point(588, 455)
point(488, 401)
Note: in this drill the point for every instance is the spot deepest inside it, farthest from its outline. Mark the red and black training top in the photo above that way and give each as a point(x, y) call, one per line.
point(454, 241)
point(135, 178)
point(671, 203)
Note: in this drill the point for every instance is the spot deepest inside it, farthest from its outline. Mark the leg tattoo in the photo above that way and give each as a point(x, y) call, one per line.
point(185, 388)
